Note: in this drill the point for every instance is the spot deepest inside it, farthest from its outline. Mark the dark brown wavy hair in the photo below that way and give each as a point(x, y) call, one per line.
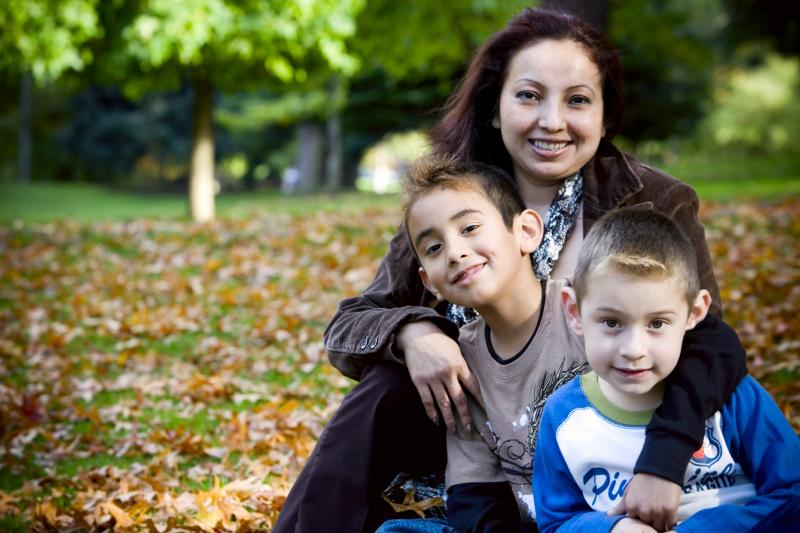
point(465, 130)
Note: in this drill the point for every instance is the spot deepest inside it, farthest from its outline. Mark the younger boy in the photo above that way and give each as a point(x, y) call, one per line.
point(634, 294)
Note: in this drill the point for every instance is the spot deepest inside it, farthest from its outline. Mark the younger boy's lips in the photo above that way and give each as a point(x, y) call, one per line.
point(465, 275)
point(633, 372)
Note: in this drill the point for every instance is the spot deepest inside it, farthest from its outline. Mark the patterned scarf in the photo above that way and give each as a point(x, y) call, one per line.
point(558, 223)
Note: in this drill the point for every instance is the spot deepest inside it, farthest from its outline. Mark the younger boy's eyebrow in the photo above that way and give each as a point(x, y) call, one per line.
point(427, 231)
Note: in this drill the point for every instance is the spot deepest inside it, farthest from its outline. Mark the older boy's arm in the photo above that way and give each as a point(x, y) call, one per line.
point(711, 365)
point(763, 442)
point(364, 327)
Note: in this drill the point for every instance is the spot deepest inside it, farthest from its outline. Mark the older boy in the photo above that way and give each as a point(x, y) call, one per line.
point(634, 295)
point(473, 236)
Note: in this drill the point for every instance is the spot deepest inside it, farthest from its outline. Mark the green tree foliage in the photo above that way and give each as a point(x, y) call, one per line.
point(46, 37)
point(230, 45)
point(756, 108)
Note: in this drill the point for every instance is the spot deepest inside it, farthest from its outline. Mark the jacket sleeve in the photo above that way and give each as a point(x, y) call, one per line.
point(363, 328)
point(483, 508)
point(711, 365)
point(765, 445)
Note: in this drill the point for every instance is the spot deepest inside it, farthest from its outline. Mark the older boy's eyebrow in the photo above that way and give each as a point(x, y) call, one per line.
point(427, 231)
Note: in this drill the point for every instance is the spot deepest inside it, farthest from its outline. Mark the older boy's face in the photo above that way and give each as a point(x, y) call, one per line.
point(468, 255)
point(633, 330)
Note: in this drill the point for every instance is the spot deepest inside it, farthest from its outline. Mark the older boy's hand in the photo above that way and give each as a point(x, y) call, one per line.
point(651, 499)
point(438, 371)
point(631, 525)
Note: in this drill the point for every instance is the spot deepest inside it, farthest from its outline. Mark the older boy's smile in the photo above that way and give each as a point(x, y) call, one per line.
point(466, 275)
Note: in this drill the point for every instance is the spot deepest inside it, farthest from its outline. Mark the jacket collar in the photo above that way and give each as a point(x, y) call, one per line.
point(609, 181)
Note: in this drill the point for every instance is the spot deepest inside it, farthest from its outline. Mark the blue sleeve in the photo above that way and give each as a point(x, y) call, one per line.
point(765, 445)
point(557, 497)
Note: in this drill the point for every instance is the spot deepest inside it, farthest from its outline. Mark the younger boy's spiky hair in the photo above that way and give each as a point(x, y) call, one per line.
point(639, 242)
point(435, 173)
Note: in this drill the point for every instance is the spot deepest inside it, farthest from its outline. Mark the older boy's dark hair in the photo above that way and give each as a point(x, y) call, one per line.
point(432, 173)
point(639, 242)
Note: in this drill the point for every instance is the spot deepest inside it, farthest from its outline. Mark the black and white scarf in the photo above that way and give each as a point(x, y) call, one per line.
point(558, 223)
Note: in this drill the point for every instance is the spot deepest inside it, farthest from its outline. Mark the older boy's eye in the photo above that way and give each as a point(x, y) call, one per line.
point(432, 249)
point(470, 228)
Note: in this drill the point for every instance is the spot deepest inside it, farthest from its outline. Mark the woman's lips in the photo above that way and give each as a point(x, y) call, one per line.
point(548, 149)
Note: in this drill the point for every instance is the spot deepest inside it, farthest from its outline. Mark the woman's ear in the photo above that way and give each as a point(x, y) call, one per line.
point(496, 121)
point(428, 285)
point(530, 228)
point(699, 309)
point(569, 303)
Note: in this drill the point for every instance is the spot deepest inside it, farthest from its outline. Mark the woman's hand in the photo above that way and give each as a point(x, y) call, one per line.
point(631, 525)
point(651, 499)
point(438, 371)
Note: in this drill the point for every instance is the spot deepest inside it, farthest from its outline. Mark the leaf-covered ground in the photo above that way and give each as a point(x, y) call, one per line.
point(160, 375)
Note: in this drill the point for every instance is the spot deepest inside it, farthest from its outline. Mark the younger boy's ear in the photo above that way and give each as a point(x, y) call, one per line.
point(531, 229)
point(427, 283)
point(699, 309)
point(569, 303)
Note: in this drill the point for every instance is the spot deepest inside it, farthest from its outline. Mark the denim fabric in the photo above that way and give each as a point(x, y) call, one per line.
point(418, 525)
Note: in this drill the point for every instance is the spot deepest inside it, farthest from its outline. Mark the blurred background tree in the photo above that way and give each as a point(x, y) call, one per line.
point(207, 94)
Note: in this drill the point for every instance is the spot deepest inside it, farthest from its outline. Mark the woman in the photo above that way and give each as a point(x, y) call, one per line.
point(541, 99)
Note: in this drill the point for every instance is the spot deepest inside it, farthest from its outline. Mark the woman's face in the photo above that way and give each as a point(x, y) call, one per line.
point(551, 111)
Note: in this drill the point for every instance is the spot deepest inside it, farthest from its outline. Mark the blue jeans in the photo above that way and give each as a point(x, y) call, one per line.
point(418, 525)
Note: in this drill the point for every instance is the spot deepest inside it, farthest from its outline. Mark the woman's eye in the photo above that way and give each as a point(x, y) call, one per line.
point(611, 323)
point(527, 95)
point(578, 100)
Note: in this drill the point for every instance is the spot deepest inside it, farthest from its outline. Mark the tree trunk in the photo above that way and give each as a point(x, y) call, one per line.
point(201, 180)
point(309, 157)
point(593, 11)
point(25, 141)
point(333, 161)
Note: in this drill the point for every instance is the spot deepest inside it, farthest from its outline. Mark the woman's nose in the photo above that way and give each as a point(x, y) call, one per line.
point(550, 117)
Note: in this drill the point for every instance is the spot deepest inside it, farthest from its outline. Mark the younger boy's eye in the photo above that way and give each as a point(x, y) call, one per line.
point(657, 323)
point(611, 323)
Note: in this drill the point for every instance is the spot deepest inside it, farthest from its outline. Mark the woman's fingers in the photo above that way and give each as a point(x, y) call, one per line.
point(443, 400)
point(428, 403)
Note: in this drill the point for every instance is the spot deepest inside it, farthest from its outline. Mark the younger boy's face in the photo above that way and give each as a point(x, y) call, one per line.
point(468, 255)
point(633, 330)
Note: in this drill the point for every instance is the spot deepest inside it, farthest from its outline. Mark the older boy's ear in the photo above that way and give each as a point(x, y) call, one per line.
point(531, 229)
point(699, 308)
point(428, 285)
point(569, 303)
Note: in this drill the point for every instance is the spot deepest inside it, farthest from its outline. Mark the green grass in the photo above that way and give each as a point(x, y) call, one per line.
point(42, 202)
point(715, 176)
point(726, 176)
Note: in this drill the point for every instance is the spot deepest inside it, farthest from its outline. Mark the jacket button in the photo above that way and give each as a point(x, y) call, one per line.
point(363, 344)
